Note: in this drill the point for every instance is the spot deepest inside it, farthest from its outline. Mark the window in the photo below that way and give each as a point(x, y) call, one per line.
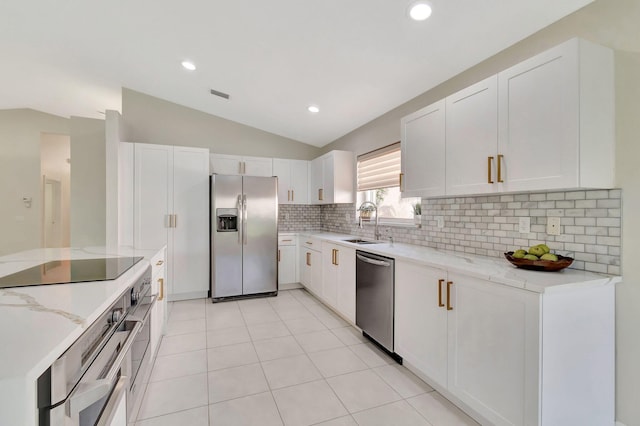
point(379, 182)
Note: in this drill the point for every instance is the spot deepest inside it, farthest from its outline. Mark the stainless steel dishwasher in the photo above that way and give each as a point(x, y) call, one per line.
point(375, 298)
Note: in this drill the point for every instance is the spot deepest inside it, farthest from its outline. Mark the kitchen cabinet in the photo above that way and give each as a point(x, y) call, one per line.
point(339, 279)
point(423, 152)
point(240, 165)
point(159, 312)
point(287, 255)
point(311, 264)
point(502, 352)
point(472, 139)
point(171, 208)
point(332, 178)
point(556, 126)
point(293, 180)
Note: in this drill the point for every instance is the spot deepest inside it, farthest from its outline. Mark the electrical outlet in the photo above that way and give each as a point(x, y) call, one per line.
point(524, 225)
point(553, 225)
point(440, 221)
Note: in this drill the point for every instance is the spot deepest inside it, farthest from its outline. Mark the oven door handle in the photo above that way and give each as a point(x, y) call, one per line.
point(134, 317)
point(112, 406)
point(88, 393)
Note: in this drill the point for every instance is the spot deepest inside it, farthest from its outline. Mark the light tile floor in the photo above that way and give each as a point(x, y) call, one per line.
point(285, 360)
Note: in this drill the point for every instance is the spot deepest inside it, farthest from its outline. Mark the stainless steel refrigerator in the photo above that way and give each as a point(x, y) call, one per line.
point(244, 236)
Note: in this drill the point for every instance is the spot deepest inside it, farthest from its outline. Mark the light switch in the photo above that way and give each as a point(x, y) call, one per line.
point(524, 225)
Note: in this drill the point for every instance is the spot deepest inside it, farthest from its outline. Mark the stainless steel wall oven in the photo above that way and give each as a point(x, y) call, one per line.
point(86, 385)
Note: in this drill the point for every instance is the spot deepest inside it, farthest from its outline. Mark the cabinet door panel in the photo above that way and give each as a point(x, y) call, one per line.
point(316, 181)
point(316, 271)
point(189, 245)
point(329, 275)
point(152, 194)
point(493, 349)
point(257, 166)
point(420, 323)
point(539, 122)
point(225, 164)
point(346, 297)
point(472, 137)
point(287, 264)
point(282, 169)
point(299, 183)
point(423, 151)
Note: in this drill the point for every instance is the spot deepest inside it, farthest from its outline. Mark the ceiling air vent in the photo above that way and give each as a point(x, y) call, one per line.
point(220, 94)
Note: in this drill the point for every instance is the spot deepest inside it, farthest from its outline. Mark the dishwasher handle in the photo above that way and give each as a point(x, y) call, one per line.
point(373, 261)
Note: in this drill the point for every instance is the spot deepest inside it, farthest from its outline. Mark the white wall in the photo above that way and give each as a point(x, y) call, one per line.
point(152, 120)
point(20, 133)
point(88, 182)
point(613, 23)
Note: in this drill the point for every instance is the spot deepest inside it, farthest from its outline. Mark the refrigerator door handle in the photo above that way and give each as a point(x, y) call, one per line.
point(241, 221)
point(244, 220)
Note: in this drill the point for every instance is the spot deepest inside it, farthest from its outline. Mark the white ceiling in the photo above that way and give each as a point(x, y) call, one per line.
point(355, 59)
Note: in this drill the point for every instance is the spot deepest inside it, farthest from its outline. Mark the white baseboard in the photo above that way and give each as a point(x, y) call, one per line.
point(620, 424)
point(289, 286)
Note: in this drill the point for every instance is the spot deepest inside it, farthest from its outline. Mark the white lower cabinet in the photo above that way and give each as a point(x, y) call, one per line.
point(339, 279)
point(159, 311)
point(287, 258)
point(508, 356)
point(310, 265)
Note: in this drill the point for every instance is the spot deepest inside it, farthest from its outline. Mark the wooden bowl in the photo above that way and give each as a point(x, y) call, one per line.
point(540, 265)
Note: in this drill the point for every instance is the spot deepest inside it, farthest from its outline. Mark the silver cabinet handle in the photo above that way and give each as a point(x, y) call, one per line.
point(373, 261)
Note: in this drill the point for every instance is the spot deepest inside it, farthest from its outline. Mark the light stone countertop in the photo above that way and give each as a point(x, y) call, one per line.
point(39, 323)
point(496, 270)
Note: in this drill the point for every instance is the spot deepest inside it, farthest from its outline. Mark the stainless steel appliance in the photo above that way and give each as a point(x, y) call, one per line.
point(244, 236)
point(375, 298)
point(92, 380)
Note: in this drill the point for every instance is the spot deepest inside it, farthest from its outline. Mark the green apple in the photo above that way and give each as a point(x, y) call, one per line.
point(531, 257)
point(536, 251)
point(549, 256)
point(519, 254)
point(544, 247)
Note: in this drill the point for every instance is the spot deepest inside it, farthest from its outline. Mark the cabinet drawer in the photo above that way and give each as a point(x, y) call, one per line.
point(286, 240)
point(310, 242)
point(158, 262)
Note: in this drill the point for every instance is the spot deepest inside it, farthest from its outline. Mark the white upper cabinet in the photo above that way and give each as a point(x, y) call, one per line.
point(544, 124)
point(556, 127)
point(332, 178)
point(293, 180)
point(423, 152)
point(240, 165)
point(472, 138)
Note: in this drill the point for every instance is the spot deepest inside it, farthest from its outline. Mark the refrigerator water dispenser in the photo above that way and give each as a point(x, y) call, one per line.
point(227, 220)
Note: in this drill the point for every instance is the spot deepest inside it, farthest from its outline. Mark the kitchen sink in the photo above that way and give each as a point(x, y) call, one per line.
point(361, 241)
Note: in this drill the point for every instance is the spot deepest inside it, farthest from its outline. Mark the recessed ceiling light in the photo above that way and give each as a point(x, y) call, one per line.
point(419, 10)
point(189, 65)
point(313, 108)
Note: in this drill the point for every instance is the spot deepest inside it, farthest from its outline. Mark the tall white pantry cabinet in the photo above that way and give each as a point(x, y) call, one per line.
point(171, 207)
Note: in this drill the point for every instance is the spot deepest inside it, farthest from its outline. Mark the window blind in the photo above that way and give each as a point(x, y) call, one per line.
point(379, 168)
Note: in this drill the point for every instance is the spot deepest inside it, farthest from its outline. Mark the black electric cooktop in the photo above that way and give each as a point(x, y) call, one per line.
point(70, 271)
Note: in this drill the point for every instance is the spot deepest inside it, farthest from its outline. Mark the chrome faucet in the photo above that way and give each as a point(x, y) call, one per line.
point(376, 233)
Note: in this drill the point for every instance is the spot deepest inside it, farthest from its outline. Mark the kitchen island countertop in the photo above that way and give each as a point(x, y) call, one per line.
point(39, 323)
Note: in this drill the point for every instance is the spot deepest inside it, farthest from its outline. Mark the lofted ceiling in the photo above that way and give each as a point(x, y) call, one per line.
point(355, 59)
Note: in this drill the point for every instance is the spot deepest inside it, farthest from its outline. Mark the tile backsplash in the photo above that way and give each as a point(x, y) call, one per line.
point(590, 224)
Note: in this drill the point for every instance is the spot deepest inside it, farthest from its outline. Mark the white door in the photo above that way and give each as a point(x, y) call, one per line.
point(316, 181)
point(153, 194)
point(329, 275)
point(282, 169)
point(189, 245)
point(346, 260)
point(286, 264)
point(493, 349)
point(472, 139)
point(299, 183)
point(257, 166)
point(423, 151)
point(539, 121)
point(421, 319)
point(225, 164)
